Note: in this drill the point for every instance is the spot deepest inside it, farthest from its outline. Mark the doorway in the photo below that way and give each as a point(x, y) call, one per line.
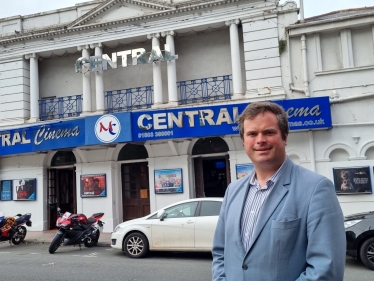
point(212, 172)
point(135, 190)
point(61, 193)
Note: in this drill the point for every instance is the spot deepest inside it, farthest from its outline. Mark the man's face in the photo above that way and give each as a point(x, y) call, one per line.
point(263, 141)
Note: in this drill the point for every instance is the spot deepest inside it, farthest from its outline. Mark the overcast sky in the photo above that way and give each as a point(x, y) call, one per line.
point(10, 8)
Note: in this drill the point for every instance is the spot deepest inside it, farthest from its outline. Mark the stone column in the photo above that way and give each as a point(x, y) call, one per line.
point(86, 81)
point(172, 69)
point(34, 86)
point(99, 80)
point(237, 83)
point(157, 77)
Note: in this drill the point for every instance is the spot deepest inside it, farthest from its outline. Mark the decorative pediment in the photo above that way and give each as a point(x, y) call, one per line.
point(112, 10)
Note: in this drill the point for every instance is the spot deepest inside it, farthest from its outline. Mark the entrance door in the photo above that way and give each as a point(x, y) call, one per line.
point(212, 176)
point(135, 190)
point(61, 193)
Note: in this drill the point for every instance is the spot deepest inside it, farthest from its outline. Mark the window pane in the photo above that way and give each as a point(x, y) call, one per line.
point(182, 210)
point(210, 208)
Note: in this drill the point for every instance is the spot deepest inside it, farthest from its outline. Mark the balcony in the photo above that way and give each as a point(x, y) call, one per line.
point(59, 108)
point(190, 92)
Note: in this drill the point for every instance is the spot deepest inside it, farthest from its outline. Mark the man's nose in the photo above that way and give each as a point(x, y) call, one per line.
point(260, 138)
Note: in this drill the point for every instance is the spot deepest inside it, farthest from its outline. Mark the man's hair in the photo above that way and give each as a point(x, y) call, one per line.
point(255, 108)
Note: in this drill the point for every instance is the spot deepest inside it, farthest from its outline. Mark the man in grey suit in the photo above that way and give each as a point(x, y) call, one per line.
point(282, 222)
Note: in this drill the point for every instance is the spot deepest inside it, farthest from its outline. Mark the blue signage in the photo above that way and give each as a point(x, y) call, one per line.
point(303, 114)
point(109, 128)
point(47, 136)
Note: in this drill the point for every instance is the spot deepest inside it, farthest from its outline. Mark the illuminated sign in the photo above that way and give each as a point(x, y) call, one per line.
point(98, 63)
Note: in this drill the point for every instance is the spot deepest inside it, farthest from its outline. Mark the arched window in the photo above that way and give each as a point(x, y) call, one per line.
point(63, 158)
point(209, 146)
point(132, 152)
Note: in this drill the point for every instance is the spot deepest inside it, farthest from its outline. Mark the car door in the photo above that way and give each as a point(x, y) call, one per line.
point(206, 223)
point(176, 230)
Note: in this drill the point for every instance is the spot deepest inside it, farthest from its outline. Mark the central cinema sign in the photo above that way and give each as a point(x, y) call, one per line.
point(100, 63)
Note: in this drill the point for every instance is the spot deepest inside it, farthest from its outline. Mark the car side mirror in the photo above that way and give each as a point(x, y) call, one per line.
point(161, 214)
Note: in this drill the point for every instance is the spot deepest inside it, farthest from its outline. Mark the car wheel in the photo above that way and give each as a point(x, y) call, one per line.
point(367, 253)
point(136, 245)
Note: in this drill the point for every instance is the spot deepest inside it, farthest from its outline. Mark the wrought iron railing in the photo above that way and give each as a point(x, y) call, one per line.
point(58, 108)
point(129, 99)
point(205, 89)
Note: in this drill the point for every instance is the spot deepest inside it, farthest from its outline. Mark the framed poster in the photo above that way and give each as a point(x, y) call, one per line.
point(6, 190)
point(93, 185)
point(243, 169)
point(24, 189)
point(352, 180)
point(168, 181)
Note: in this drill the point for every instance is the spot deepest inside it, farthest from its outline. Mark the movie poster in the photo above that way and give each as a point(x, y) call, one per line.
point(93, 185)
point(6, 190)
point(352, 180)
point(243, 169)
point(168, 181)
point(24, 189)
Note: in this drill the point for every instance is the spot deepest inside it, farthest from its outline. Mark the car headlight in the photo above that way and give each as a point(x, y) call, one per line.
point(351, 223)
point(117, 229)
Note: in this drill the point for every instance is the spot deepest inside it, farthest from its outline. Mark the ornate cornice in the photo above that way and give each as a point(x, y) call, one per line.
point(77, 25)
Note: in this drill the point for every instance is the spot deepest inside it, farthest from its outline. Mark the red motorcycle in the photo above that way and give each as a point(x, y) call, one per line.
point(13, 229)
point(76, 229)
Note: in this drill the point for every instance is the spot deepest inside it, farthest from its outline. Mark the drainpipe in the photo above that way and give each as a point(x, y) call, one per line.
point(301, 11)
point(305, 90)
point(336, 99)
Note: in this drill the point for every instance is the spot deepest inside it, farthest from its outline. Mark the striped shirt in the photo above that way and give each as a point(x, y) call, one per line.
point(253, 204)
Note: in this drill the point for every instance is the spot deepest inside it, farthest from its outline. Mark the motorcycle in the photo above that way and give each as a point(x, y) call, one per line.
point(12, 229)
point(76, 229)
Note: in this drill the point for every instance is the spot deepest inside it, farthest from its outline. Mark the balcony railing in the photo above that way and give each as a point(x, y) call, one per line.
point(205, 89)
point(129, 99)
point(58, 108)
point(190, 91)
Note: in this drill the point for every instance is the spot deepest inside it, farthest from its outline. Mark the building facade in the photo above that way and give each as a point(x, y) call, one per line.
point(124, 107)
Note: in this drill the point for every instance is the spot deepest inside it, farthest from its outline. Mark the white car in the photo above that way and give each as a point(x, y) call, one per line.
point(184, 226)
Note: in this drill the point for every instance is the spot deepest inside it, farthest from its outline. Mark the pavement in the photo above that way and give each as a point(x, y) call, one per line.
point(46, 236)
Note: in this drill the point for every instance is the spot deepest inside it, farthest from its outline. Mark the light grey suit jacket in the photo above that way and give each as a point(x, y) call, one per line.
point(299, 233)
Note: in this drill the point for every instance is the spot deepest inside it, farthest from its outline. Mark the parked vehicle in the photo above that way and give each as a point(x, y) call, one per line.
point(76, 229)
point(359, 230)
point(184, 226)
point(13, 228)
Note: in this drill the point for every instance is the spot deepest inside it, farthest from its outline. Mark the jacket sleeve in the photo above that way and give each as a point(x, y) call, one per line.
point(325, 253)
point(218, 249)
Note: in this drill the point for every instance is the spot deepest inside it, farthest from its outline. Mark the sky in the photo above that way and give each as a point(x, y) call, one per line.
point(10, 8)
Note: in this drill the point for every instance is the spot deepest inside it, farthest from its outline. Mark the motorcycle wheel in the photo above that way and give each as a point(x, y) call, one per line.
point(19, 236)
point(90, 242)
point(56, 242)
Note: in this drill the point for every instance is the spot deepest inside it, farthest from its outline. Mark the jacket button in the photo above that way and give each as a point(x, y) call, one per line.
point(245, 267)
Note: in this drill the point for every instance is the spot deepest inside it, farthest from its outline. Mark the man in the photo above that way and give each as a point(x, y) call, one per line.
point(281, 222)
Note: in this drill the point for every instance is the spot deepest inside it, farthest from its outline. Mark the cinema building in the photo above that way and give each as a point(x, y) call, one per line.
point(124, 107)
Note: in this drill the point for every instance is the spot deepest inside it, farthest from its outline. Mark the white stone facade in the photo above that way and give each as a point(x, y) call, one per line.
point(241, 38)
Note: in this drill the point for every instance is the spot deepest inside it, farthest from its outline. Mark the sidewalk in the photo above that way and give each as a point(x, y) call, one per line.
point(46, 236)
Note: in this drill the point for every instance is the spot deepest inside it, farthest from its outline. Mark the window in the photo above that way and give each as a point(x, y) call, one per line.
point(210, 208)
point(181, 210)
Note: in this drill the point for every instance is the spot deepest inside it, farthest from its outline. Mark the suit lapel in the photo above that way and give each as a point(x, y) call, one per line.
point(271, 203)
point(242, 193)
